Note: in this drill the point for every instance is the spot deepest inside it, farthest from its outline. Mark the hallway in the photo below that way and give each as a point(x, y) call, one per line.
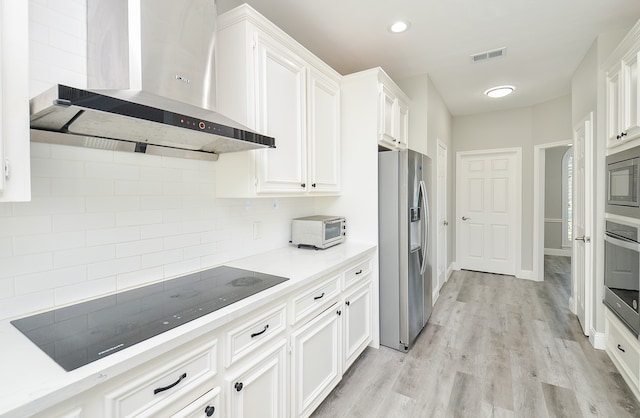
point(495, 346)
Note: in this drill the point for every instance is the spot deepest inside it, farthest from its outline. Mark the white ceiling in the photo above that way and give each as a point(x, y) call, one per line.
point(545, 41)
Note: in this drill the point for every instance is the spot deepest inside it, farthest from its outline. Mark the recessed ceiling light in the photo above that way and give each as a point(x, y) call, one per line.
point(500, 91)
point(399, 26)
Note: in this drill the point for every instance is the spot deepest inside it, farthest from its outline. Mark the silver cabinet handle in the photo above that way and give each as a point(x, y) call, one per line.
point(464, 218)
point(446, 223)
point(583, 239)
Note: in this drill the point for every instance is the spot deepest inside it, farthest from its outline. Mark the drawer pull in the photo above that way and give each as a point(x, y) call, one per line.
point(339, 313)
point(347, 303)
point(156, 391)
point(238, 386)
point(621, 349)
point(359, 272)
point(209, 410)
point(319, 297)
point(255, 334)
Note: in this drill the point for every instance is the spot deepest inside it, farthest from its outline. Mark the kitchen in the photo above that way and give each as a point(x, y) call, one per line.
point(100, 221)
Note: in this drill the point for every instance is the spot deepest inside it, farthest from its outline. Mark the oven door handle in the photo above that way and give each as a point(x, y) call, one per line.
point(633, 246)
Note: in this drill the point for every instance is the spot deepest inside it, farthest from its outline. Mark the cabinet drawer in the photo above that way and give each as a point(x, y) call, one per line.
point(623, 347)
point(175, 385)
point(208, 405)
point(354, 274)
point(315, 299)
point(253, 332)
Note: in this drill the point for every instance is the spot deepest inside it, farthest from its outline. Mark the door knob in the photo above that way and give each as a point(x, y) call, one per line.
point(583, 239)
point(464, 218)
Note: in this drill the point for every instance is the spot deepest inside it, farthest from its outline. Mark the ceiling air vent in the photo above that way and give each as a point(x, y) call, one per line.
point(487, 55)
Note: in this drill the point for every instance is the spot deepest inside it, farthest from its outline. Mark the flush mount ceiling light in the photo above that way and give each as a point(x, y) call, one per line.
point(500, 91)
point(399, 26)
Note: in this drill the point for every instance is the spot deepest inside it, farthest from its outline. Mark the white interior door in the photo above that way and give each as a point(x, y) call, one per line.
point(442, 222)
point(486, 209)
point(581, 262)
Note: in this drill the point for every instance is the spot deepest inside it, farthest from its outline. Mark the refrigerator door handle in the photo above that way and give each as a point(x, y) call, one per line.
point(425, 245)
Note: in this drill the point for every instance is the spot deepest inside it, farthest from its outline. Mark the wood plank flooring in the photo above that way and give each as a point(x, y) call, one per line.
point(495, 346)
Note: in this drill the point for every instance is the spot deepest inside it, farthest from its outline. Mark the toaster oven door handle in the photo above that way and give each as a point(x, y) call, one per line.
point(633, 246)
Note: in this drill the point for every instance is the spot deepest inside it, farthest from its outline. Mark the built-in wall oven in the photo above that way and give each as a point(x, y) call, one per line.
point(621, 272)
point(623, 184)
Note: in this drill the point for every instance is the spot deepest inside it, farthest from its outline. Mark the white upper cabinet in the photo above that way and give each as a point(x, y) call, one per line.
point(623, 94)
point(269, 82)
point(15, 176)
point(393, 118)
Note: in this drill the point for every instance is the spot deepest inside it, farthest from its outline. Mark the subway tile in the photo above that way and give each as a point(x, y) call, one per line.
point(161, 230)
point(113, 236)
point(112, 203)
point(147, 246)
point(158, 173)
point(49, 205)
point(32, 244)
point(49, 168)
point(180, 268)
point(73, 74)
point(200, 250)
point(40, 187)
point(83, 256)
point(198, 177)
point(6, 247)
point(83, 221)
point(50, 280)
point(82, 187)
point(65, 41)
point(181, 241)
point(65, 152)
point(179, 189)
point(161, 258)
point(112, 171)
point(24, 225)
point(198, 226)
point(40, 150)
point(159, 202)
point(26, 304)
point(138, 160)
point(139, 278)
point(6, 209)
point(38, 32)
point(138, 188)
point(26, 264)
point(7, 288)
point(171, 162)
point(87, 290)
point(113, 267)
point(142, 217)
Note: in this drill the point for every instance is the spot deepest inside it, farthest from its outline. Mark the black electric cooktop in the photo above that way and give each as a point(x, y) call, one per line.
point(80, 334)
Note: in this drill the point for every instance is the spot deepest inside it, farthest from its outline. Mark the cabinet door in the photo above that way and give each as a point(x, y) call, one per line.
point(630, 120)
point(259, 390)
point(324, 133)
point(386, 118)
point(357, 323)
point(281, 109)
point(15, 174)
point(403, 125)
point(613, 106)
point(316, 360)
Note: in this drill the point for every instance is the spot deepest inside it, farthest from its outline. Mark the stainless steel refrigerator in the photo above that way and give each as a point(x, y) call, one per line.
point(404, 230)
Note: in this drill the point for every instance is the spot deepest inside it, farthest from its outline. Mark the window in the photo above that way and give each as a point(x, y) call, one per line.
point(567, 198)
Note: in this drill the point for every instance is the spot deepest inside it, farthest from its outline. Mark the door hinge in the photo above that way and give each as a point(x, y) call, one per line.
point(6, 170)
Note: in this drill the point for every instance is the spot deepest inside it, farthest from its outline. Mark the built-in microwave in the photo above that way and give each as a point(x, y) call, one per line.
point(318, 231)
point(623, 184)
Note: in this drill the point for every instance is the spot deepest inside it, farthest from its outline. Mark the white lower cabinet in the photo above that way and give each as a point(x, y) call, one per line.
point(316, 360)
point(624, 350)
point(259, 388)
point(279, 360)
point(357, 322)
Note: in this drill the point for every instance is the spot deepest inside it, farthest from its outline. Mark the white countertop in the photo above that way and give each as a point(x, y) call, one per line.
point(32, 382)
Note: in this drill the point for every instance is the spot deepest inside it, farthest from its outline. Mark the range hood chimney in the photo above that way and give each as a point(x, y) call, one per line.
point(151, 79)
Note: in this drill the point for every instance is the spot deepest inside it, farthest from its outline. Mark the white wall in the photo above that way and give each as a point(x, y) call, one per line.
point(101, 221)
point(522, 127)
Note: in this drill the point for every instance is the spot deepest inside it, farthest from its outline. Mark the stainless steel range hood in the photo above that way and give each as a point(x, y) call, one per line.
point(151, 77)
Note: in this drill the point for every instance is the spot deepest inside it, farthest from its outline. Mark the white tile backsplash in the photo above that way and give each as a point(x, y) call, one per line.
point(49, 280)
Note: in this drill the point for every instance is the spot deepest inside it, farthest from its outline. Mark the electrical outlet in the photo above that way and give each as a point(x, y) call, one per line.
point(257, 230)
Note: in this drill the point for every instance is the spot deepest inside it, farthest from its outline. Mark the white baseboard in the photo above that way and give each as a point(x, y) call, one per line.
point(565, 252)
point(525, 274)
point(452, 267)
point(597, 339)
point(434, 296)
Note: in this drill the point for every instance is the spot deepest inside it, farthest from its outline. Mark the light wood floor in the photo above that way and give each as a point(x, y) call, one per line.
point(495, 346)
